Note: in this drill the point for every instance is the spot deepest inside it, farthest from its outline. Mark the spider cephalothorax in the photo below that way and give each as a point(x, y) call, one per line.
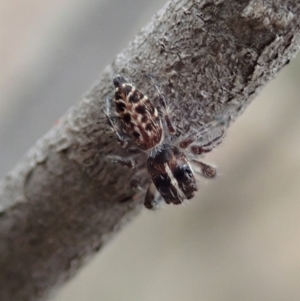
point(171, 173)
point(137, 122)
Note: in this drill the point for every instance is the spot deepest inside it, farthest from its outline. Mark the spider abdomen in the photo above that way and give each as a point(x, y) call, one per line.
point(139, 118)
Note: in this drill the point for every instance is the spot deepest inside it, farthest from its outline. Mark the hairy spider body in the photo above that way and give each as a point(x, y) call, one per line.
point(138, 122)
point(172, 174)
point(138, 117)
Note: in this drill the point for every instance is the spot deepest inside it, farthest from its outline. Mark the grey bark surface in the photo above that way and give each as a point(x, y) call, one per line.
point(65, 200)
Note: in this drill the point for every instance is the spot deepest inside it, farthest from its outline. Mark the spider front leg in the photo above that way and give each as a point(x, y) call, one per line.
point(127, 162)
point(152, 197)
point(138, 180)
point(211, 126)
point(140, 177)
point(206, 148)
point(207, 171)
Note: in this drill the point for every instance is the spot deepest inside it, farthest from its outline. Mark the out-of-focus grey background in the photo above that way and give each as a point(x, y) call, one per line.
point(240, 240)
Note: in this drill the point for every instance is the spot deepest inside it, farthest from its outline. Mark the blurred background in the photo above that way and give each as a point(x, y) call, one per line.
point(240, 240)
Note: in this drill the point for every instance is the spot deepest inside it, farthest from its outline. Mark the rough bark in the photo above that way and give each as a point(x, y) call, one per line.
point(64, 200)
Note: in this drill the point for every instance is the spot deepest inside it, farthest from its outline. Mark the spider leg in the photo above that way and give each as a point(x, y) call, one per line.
point(169, 123)
point(206, 148)
point(207, 170)
point(133, 162)
point(127, 162)
point(215, 124)
point(163, 103)
point(187, 141)
point(135, 180)
point(152, 197)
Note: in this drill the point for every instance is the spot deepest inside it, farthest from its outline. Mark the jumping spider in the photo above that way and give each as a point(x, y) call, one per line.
point(139, 125)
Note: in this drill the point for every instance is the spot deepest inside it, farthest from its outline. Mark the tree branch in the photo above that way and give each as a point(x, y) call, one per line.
point(65, 200)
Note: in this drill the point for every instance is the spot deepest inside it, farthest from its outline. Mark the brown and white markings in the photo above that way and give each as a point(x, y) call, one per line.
point(172, 175)
point(138, 125)
point(138, 117)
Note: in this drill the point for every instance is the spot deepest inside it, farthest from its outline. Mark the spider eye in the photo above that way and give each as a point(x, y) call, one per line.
point(184, 174)
point(187, 171)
